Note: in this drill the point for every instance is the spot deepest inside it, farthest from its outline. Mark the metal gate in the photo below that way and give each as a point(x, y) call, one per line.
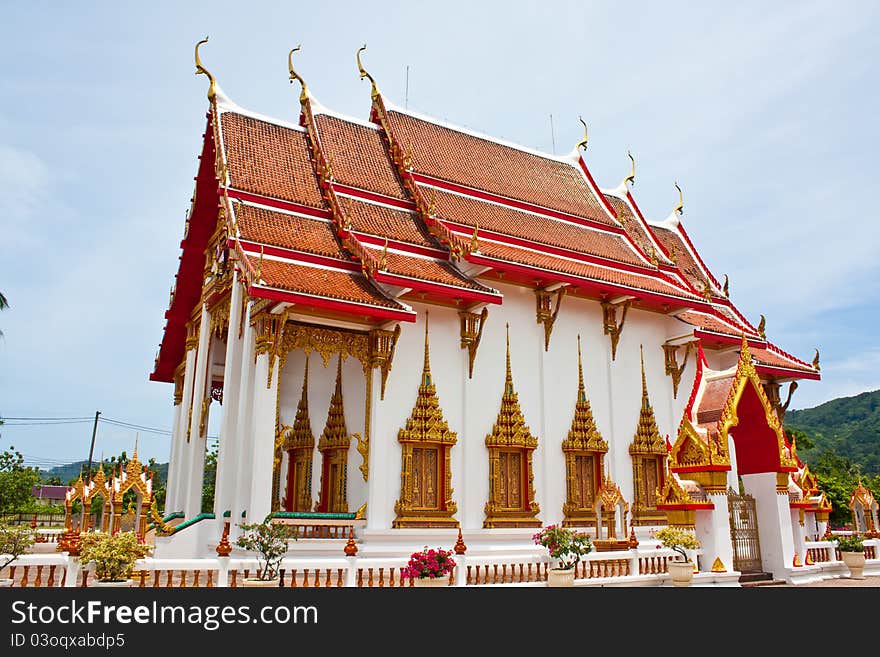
point(744, 532)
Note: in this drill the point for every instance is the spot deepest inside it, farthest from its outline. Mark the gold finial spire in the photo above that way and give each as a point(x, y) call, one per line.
point(645, 402)
point(374, 93)
point(426, 368)
point(726, 287)
point(383, 260)
point(259, 272)
point(475, 244)
point(134, 457)
point(201, 70)
point(761, 326)
point(679, 209)
point(582, 394)
point(583, 142)
point(296, 76)
point(631, 178)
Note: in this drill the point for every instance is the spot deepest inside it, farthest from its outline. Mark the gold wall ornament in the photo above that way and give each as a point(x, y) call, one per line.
point(327, 343)
point(383, 259)
point(270, 329)
point(471, 333)
point(609, 500)
point(545, 313)
point(426, 467)
point(333, 445)
point(761, 326)
point(631, 178)
point(648, 454)
point(583, 142)
point(672, 368)
point(746, 375)
point(718, 566)
point(159, 525)
point(203, 417)
point(584, 449)
point(304, 94)
point(726, 287)
point(192, 334)
point(374, 92)
point(864, 508)
point(383, 344)
point(679, 209)
point(816, 361)
point(475, 243)
point(511, 477)
point(299, 443)
point(692, 454)
point(201, 70)
point(610, 325)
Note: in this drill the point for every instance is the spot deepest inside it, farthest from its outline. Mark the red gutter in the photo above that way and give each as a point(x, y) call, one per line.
point(290, 254)
point(374, 196)
point(451, 291)
point(776, 370)
point(596, 191)
point(349, 307)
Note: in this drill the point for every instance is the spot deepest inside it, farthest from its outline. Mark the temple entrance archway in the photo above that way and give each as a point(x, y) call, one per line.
point(744, 534)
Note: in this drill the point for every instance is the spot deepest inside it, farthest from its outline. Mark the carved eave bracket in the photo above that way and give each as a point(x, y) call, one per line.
point(382, 346)
point(545, 313)
point(673, 369)
point(610, 324)
point(472, 325)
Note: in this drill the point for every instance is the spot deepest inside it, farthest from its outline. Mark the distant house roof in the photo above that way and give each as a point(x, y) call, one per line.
point(49, 492)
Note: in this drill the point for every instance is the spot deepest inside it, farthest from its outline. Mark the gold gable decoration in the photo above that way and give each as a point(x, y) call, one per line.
point(299, 443)
point(584, 449)
point(511, 438)
point(746, 374)
point(647, 439)
point(648, 454)
point(333, 445)
point(426, 486)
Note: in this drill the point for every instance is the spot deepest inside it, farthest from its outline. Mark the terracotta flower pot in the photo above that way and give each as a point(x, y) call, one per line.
point(681, 572)
point(855, 561)
point(557, 577)
point(431, 581)
point(253, 582)
point(125, 583)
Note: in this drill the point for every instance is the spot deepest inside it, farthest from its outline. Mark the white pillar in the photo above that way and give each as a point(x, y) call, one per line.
point(177, 486)
point(173, 463)
point(224, 487)
point(797, 535)
point(263, 442)
point(774, 522)
point(379, 504)
point(192, 501)
point(240, 482)
point(713, 532)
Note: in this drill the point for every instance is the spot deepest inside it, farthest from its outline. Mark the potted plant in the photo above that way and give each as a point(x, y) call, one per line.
point(852, 551)
point(269, 541)
point(566, 547)
point(14, 542)
point(114, 556)
point(682, 569)
point(429, 567)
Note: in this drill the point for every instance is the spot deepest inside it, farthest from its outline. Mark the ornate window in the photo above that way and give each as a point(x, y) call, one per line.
point(426, 475)
point(333, 445)
point(648, 454)
point(511, 479)
point(299, 443)
point(584, 450)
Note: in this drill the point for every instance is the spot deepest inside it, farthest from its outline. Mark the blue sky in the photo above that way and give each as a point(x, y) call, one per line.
point(765, 113)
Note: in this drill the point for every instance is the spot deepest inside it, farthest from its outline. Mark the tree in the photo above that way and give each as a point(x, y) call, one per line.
point(4, 303)
point(16, 482)
point(209, 481)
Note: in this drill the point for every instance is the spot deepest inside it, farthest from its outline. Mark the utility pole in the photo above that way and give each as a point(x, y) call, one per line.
point(92, 448)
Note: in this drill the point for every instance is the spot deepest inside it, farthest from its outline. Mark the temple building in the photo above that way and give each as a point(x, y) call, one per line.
point(410, 328)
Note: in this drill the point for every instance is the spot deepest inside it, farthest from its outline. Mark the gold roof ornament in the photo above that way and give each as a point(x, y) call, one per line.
point(583, 434)
point(510, 428)
point(631, 178)
point(300, 434)
point(726, 288)
point(335, 434)
point(296, 76)
point(647, 439)
point(201, 70)
point(583, 142)
point(609, 494)
point(679, 209)
point(374, 93)
point(816, 360)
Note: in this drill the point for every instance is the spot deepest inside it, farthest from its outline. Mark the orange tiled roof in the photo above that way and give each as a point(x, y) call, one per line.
point(382, 221)
point(273, 228)
point(704, 321)
point(532, 227)
point(430, 269)
point(714, 397)
point(359, 158)
point(581, 269)
point(319, 281)
point(465, 159)
point(268, 159)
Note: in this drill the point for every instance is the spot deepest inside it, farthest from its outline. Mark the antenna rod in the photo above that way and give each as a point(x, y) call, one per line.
point(552, 135)
point(406, 91)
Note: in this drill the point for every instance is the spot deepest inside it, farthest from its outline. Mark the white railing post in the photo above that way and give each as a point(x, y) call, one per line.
point(460, 572)
point(223, 572)
point(351, 572)
point(71, 572)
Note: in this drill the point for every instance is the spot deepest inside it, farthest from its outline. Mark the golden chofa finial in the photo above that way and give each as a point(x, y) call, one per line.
point(631, 178)
point(816, 360)
point(201, 70)
point(679, 209)
point(375, 90)
point(583, 142)
point(296, 76)
point(726, 286)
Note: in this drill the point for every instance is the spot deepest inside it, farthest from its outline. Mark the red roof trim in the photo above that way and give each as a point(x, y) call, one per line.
point(373, 196)
point(350, 307)
point(278, 203)
point(450, 291)
point(369, 238)
point(697, 506)
point(596, 191)
point(775, 370)
point(730, 339)
point(513, 203)
point(702, 468)
point(300, 256)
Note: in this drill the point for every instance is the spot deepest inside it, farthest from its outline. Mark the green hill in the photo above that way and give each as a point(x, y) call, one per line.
point(848, 426)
